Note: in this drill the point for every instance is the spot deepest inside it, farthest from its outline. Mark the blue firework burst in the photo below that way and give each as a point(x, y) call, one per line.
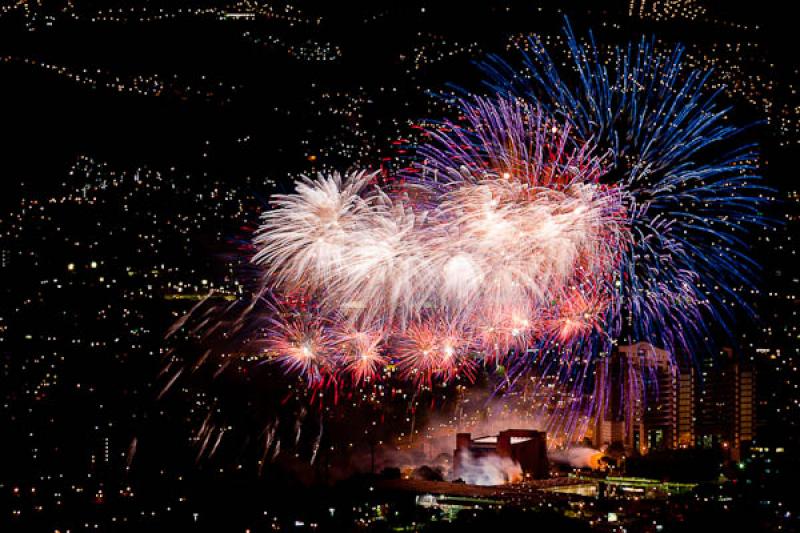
point(694, 193)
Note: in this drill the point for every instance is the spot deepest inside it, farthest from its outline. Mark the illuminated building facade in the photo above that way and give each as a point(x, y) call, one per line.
point(653, 404)
point(526, 447)
point(649, 402)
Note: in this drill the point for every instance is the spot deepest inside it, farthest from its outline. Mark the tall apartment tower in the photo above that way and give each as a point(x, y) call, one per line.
point(646, 401)
point(726, 404)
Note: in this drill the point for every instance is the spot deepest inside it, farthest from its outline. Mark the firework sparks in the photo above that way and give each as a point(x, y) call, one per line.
point(362, 353)
point(434, 350)
point(547, 223)
point(302, 343)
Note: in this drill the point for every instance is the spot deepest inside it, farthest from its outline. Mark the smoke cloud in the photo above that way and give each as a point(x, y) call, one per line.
point(577, 456)
point(488, 470)
point(477, 413)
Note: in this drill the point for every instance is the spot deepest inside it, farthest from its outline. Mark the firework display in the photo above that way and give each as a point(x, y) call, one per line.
point(693, 189)
point(566, 211)
point(465, 261)
point(399, 266)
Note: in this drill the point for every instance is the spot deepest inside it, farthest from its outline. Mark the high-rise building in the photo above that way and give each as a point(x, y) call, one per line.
point(686, 408)
point(646, 401)
point(726, 404)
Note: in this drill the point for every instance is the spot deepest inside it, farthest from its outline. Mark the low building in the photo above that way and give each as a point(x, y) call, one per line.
point(525, 447)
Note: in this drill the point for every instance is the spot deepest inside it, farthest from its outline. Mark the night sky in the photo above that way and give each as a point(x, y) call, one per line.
point(140, 142)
